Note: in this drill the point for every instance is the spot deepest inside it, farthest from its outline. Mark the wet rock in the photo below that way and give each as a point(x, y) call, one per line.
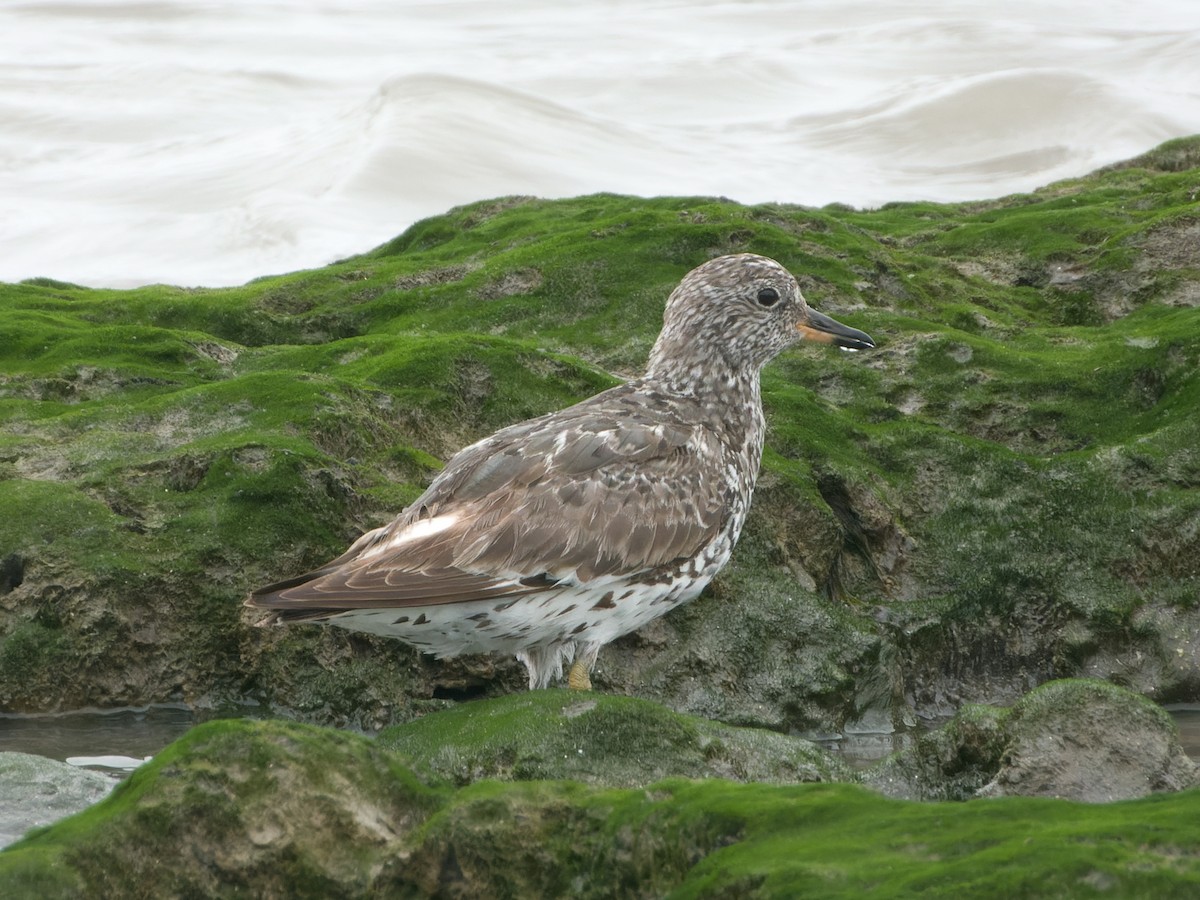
point(953, 762)
point(238, 808)
point(598, 739)
point(272, 809)
point(987, 501)
point(36, 791)
point(1077, 739)
point(1090, 741)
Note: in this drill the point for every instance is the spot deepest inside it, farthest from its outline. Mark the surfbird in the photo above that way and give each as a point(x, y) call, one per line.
point(557, 535)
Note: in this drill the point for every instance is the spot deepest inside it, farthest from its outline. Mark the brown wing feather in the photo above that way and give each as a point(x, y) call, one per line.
point(529, 504)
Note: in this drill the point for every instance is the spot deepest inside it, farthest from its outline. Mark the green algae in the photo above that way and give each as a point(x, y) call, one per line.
point(917, 533)
point(596, 739)
point(839, 841)
point(1081, 739)
point(255, 780)
point(245, 809)
point(1002, 493)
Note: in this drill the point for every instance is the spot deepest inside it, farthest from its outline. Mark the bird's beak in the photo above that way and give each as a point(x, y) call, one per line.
point(819, 327)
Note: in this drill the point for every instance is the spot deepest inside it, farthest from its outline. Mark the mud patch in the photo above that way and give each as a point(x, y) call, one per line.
point(430, 277)
point(218, 353)
point(522, 281)
point(1175, 245)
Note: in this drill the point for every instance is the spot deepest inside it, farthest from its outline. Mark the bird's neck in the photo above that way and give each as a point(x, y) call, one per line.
point(725, 398)
point(728, 388)
point(702, 367)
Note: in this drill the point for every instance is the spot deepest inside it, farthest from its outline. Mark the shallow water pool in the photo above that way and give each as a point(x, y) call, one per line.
point(136, 733)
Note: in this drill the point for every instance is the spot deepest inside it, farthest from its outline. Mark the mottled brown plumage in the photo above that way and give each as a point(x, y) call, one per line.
point(554, 536)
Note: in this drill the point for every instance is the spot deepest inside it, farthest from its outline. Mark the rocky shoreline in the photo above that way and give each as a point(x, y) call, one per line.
point(554, 793)
point(1003, 495)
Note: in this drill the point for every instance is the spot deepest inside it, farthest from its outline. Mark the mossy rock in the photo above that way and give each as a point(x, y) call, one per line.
point(1093, 741)
point(1003, 493)
point(1079, 739)
point(252, 809)
point(233, 808)
point(597, 739)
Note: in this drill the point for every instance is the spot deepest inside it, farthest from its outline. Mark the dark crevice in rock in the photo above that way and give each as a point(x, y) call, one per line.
point(12, 573)
point(874, 547)
point(854, 539)
point(460, 693)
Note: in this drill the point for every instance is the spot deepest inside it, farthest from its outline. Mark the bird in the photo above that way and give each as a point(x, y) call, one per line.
point(557, 535)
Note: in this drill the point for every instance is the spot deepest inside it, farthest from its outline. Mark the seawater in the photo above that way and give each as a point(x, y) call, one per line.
point(137, 733)
point(207, 144)
point(130, 732)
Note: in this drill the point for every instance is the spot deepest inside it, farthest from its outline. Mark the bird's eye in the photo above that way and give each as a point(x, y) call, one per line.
point(768, 297)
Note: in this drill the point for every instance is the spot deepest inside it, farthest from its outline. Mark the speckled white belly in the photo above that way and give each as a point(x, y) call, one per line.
point(599, 613)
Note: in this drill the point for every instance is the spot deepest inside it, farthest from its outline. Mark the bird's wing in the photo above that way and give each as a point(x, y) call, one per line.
point(567, 497)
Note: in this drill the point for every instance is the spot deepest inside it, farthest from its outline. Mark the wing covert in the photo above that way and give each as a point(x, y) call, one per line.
point(564, 497)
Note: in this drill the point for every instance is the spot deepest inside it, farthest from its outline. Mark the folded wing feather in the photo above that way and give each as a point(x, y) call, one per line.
point(560, 498)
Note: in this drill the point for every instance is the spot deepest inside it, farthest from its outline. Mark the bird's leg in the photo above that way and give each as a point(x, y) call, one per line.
point(577, 678)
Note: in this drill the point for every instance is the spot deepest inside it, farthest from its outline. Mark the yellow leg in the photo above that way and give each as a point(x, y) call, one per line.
point(577, 678)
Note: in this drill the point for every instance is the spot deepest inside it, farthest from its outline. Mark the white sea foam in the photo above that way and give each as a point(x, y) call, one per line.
point(212, 143)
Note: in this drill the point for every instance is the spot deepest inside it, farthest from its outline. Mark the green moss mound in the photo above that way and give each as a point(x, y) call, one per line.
point(1003, 493)
point(597, 739)
point(241, 809)
point(233, 808)
point(1079, 739)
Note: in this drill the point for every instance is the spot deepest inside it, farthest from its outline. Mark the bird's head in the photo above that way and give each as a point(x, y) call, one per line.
point(744, 309)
